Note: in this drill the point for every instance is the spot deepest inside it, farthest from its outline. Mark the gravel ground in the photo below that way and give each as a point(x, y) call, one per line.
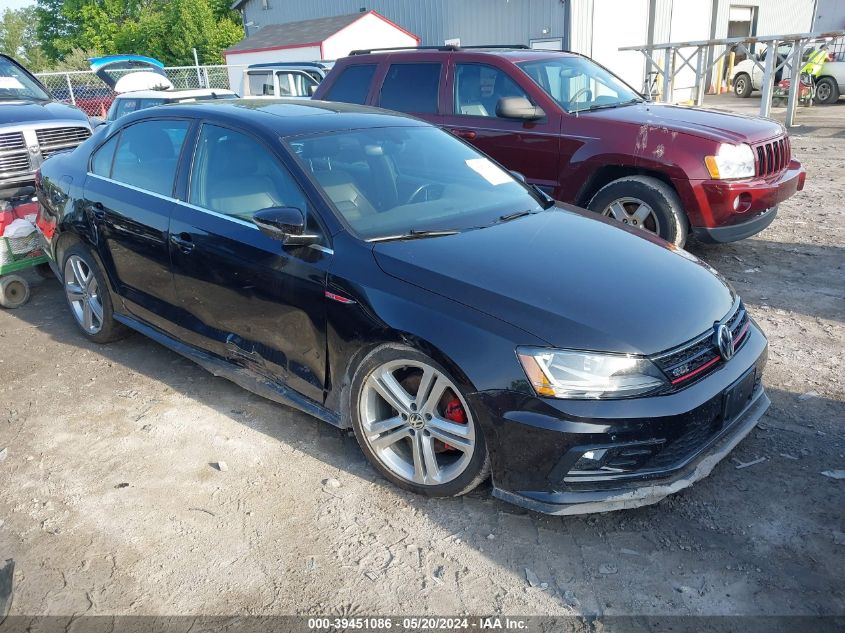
point(112, 501)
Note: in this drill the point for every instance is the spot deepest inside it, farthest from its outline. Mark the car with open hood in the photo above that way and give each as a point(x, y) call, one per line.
point(33, 126)
point(382, 275)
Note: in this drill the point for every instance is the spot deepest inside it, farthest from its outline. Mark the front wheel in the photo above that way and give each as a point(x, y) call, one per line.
point(643, 202)
point(414, 425)
point(742, 85)
point(827, 91)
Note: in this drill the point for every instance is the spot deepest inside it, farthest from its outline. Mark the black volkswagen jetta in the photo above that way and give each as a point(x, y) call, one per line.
point(380, 274)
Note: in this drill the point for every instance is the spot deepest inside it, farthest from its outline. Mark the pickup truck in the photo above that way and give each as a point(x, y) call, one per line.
point(33, 126)
point(575, 130)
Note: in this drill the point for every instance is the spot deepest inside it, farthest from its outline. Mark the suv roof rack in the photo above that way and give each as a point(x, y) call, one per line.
point(447, 47)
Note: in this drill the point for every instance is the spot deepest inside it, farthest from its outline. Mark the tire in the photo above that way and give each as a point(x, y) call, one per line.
point(82, 290)
point(668, 219)
point(423, 425)
point(743, 86)
point(827, 91)
point(14, 291)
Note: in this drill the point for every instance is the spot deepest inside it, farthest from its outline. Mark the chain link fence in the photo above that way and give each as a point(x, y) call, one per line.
point(88, 92)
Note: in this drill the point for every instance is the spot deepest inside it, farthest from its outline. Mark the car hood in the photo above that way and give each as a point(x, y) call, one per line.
point(572, 279)
point(719, 126)
point(15, 112)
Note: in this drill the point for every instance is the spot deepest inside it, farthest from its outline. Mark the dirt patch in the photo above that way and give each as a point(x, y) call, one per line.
point(135, 483)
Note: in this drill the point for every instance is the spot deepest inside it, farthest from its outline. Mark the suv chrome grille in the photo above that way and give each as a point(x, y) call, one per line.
point(11, 141)
point(12, 164)
point(697, 358)
point(55, 139)
point(772, 157)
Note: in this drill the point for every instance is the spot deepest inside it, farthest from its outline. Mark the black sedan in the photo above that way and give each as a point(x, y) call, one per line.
point(380, 274)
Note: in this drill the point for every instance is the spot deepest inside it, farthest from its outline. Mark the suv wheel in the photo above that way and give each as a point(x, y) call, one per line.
point(414, 424)
point(827, 91)
point(88, 296)
point(742, 85)
point(645, 203)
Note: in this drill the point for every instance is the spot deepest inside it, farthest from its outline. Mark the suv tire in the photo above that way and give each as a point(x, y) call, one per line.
point(827, 91)
point(742, 85)
point(668, 220)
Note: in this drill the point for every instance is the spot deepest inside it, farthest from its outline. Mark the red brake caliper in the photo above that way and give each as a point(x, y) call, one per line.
point(455, 413)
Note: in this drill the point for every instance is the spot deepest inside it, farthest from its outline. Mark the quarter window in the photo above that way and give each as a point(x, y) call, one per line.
point(102, 160)
point(148, 153)
point(411, 88)
point(235, 175)
point(353, 84)
point(479, 87)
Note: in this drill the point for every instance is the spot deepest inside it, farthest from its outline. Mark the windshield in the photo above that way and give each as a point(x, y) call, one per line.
point(16, 84)
point(579, 84)
point(400, 181)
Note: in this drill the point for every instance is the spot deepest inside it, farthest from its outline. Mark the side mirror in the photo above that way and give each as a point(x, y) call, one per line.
point(518, 108)
point(286, 224)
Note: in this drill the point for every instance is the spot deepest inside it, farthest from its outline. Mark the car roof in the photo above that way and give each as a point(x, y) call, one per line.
point(325, 65)
point(284, 117)
point(514, 55)
point(172, 94)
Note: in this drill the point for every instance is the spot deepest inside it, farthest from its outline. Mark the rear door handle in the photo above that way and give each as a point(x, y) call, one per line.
point(183, 242)
point(467, 134)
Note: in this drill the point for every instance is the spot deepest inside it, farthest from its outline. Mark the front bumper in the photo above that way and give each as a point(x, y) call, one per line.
point(535, 443)
point(711, 206)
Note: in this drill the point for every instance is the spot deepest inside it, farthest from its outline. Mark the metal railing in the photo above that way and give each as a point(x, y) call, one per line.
point(87, 92)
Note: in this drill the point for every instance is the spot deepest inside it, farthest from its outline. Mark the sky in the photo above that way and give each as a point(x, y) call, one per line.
point(14, 4)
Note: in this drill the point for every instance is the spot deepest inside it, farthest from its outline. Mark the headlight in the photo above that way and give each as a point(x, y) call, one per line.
point(570, 374)
point(731, 161)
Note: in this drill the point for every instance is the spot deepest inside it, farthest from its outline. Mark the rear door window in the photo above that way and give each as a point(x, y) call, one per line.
point(261, 84)
point(148, 154)
point(411, 88)
point(353, 84)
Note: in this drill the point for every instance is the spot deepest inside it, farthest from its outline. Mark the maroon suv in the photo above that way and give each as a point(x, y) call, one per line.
point(583, 135)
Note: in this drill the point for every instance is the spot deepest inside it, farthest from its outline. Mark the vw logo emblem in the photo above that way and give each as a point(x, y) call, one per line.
point(415, 421)
point(725, 341)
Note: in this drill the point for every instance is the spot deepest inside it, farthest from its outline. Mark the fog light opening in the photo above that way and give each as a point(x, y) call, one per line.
point(591, 460)
point(742, 202)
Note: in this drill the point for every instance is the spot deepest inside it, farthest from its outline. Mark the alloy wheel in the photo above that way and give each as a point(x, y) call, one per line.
point(633, 212)
point(416, 422)
point(823, 92)
point(83, 294)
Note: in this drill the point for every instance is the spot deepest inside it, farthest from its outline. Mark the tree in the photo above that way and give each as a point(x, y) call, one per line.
point(18, 38)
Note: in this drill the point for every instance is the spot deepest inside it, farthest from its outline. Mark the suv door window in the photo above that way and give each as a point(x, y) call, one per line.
point(261, 84)
point(411, 88)
point(479, 87)
point(295, 83)
point(353, 84)
point(235, 175)
point(148, 154)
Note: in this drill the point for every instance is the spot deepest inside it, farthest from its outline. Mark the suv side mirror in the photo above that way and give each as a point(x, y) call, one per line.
point(518, 108)
point(286, 224)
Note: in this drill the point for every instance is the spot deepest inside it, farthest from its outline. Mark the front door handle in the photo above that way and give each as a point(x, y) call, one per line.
point(183, 242)
point(467, 134)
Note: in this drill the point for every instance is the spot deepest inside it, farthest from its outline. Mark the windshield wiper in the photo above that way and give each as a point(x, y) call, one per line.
point(603, 106)
point(513, 216)
point(413, 234)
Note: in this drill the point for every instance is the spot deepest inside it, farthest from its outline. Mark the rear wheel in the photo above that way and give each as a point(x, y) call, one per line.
point(88, 296)
point(742, 85)
point(14, 291)
point(414, 424)
point(643, 202)
point(827, 91)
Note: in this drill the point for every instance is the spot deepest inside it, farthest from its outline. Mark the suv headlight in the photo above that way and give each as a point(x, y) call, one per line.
point(731, 161)
point(569, 374)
